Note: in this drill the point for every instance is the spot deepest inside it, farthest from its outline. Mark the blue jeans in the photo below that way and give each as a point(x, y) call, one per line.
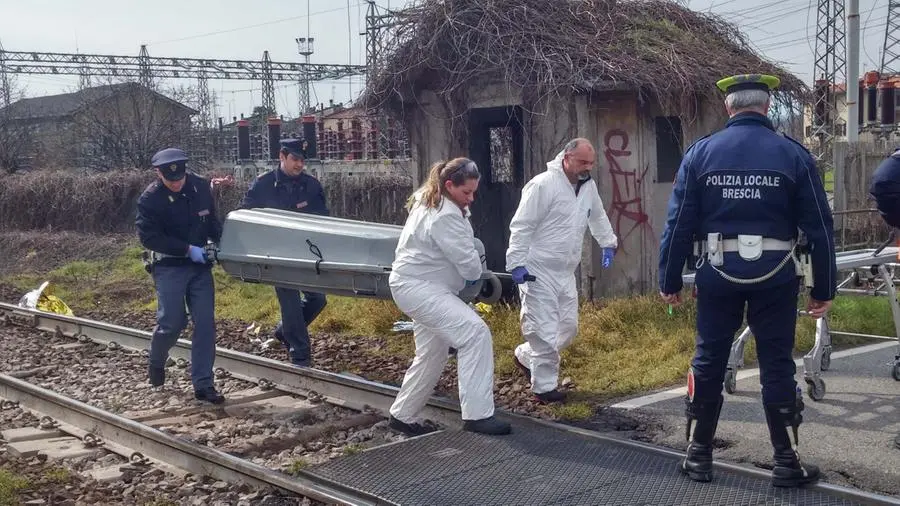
point(176, 286)
point(296, 315)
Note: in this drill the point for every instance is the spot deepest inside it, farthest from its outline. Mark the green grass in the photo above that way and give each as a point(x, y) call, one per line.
point(352, 449)
point(829, 181)
point(624, 346)
point(297, 466)
point(11, 486)
point(87, 284)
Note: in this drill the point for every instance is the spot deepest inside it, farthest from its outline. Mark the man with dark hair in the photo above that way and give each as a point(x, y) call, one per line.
point(289, 187)
point(740, 196)
point(176, 217)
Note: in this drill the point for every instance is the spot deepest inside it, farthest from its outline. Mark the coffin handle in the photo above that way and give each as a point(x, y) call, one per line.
point(317, 252)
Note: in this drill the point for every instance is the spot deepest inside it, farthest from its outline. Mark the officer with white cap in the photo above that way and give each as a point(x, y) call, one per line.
point(740, 196)
point(176, 219)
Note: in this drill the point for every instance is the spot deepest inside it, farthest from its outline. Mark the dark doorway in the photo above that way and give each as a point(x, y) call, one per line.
point(495, 144)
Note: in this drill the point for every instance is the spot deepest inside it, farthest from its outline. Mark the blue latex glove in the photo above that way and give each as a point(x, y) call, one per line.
point(608, 254)
point(518, 275)
point(197, 255)
point(470, 283)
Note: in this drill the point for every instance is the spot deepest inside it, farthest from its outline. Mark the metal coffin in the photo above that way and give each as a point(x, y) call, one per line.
point(309, 252)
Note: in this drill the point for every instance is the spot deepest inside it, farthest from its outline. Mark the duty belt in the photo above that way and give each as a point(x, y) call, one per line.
point(768, 244)
point(750, 248)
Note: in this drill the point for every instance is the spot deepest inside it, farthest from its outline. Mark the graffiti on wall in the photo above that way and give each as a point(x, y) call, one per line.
point(627, 208)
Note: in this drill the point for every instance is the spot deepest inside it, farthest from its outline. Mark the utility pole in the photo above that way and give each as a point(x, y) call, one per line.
point(853, 73)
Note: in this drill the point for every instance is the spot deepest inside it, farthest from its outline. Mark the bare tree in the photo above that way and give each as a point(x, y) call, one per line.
point(16, 140)
point(121, 125)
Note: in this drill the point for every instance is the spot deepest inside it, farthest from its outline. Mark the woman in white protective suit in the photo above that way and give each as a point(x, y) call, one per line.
point(436, 259)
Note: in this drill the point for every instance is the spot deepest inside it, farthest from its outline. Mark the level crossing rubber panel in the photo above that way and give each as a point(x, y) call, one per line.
point(542, 465)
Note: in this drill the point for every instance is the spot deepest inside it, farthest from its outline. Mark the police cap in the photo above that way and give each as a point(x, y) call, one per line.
point(171, 162)
point(740, 82)
point(294, 147)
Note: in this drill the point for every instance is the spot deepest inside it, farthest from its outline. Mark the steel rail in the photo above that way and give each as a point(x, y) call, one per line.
point(358, 393)
point(153, 443)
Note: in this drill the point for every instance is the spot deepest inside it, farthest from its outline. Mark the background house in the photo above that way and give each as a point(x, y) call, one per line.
point(508, 82)
point(104, 127)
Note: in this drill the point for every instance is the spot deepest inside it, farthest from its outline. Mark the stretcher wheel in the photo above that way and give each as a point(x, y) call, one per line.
point(826, 358)
point(730, 381)
point(815, 388)
point(895, 372)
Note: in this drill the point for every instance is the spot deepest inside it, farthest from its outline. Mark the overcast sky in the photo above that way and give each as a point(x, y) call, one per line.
point(783, 31)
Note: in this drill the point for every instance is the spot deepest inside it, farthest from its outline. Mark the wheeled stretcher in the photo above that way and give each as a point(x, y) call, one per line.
point(322, 254)
point(868, 272)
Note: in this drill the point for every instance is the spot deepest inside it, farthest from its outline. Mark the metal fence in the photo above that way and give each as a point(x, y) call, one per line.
point(859, 228)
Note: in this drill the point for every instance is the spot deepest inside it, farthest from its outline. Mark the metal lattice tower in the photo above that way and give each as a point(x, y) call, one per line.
point(376, 24)
point(145, 75)
point(890, 55)
point(268, 85)
point(830, 70)
point(4, 80)
point(305, 48)
point(203, 103)
point(84, 80)
point(156, 67)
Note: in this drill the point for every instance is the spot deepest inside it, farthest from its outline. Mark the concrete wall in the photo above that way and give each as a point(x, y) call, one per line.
point(622, 129)
point(319, 168)
point(635, 200)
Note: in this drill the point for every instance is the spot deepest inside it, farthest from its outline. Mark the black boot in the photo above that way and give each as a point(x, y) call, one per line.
point(209, 394)
point(698, 463)
point(411, 429)
point(788, 470)
point(489, 425)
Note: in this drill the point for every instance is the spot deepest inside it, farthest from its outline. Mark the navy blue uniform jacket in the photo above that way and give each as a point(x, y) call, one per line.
point(885, 188)
point(277, 190)
point(168, 222)
point(749, 179)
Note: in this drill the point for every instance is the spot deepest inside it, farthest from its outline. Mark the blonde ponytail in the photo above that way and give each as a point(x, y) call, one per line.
point(457, 170)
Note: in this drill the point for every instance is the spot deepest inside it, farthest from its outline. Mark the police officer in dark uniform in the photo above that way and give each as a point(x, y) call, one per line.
point(740, 196)
point(289, 187)
point(885, 189)
point(176, 217)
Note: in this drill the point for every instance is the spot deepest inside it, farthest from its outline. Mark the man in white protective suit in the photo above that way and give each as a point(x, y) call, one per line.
point(435, 259)
point(546, 236)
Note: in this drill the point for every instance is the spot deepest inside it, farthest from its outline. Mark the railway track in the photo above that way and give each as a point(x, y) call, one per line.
point(295, 389)
point(311, 409)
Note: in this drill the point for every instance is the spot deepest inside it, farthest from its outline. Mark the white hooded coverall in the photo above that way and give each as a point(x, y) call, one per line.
point(435, 256)
point(546, 236)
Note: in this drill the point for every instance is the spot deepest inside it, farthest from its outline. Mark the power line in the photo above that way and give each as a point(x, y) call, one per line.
point(247, 27)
